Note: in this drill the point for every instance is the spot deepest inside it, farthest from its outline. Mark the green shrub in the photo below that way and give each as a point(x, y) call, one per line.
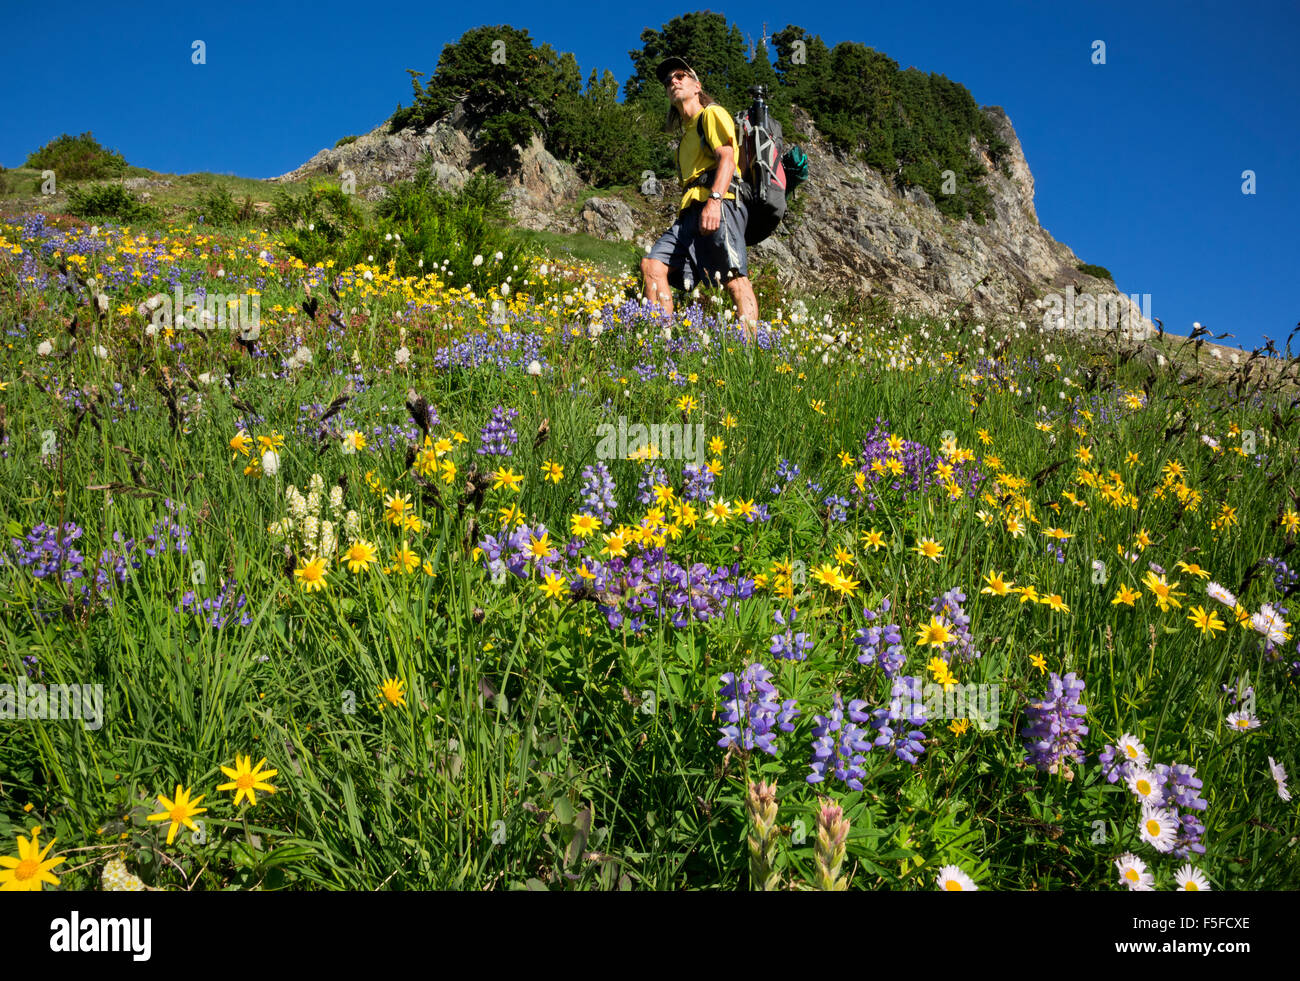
point(345, 141)
point(1101, 272)
point(418, 227)
point(216, 206)
point(320, 216)
point(109, 202)
point(75, 158)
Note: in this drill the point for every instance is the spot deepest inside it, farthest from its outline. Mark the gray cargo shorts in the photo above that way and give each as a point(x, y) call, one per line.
point(694, 257)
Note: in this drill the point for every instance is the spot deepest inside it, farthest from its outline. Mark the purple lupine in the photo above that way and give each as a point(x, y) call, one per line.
point(1182, 793)
point(211, 609)
point(840, 745)
point(697, 483)
point(653, 583)
point(1114, 771)
point(498, 436)
point(786, 472)
point(881, 644)
point(597, 492)
point(1284, 577)
point(789, 645)
point(920, 467)
point(948, 610)
point(898, 724)
point(650, 476)
point(1054, 724)
point(752, 709)
point(836, 507)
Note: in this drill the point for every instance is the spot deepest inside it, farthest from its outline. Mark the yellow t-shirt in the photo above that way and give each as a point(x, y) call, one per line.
point(693, 159)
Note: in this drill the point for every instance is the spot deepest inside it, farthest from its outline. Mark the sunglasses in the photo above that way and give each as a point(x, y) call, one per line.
point(674, 77)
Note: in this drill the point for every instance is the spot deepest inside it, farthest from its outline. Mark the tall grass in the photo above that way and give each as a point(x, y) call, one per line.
point(537, 746)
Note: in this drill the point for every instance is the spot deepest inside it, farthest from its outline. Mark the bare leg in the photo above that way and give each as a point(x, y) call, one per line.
point(657, 290)
point(742, 294)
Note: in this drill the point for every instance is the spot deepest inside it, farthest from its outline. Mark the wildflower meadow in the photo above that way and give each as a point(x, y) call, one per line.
point(489, 576)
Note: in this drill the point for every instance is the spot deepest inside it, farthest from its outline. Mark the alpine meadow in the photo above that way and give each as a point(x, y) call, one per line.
point(360, 534)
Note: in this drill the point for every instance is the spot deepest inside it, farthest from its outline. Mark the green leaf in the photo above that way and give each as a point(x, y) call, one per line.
point(563, 810)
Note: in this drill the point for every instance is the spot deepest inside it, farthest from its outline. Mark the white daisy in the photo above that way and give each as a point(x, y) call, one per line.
point(1146, 787)
point(1217, 592)
point(1158, 828)
point(953, 879)
point(1243, 721)
point(1134, 752)
point(1279, 774)
point(1191, 879)
point(1269, 623)
point(1133, 873)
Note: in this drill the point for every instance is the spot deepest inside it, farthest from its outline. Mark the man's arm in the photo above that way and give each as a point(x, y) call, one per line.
point(726, 167)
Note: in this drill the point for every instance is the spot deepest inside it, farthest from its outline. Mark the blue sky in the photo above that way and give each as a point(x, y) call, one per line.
point(1137, 163)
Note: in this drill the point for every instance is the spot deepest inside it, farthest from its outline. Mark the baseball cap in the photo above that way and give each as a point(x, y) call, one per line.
point(669, 65)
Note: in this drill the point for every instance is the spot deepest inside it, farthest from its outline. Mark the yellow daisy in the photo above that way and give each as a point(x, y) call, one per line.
point(311, 577)
point(407, 561)
point(397, 507)
point(30, 870)
point(1125, 595)
point(929, 548)
point(360, 556)
point(178, 812)
point(997, 586)
point(247, 778)
point(583, 525)
point(394, 692)
point(873, 539)
point(554, 587)
point(935, 634)
point(1206, 622)
point(505, 477)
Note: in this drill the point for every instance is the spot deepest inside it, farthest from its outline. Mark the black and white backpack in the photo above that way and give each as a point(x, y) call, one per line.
point(760, 179)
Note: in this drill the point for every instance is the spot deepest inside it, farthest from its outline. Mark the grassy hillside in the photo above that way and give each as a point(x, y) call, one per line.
point(400, 551)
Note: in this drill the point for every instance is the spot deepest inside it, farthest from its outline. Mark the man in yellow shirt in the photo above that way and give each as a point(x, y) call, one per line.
point(707, 240)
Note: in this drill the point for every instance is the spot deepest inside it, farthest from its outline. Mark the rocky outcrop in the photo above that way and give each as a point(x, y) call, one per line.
point(848, 227)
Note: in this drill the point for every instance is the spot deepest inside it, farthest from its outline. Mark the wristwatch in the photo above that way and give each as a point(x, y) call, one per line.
point(716, 195)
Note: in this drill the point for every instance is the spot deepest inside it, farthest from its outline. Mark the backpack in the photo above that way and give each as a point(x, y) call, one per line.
point(764, 176)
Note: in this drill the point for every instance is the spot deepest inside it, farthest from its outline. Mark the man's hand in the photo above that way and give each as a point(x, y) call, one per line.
point(711, 216)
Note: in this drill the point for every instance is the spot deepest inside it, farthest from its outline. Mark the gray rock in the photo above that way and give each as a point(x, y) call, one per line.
point(609, 219)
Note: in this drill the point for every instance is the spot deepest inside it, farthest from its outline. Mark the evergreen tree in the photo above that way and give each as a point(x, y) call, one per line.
point(703, 40)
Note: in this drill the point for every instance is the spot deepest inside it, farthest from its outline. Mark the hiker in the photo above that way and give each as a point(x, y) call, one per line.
point(707, 239)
